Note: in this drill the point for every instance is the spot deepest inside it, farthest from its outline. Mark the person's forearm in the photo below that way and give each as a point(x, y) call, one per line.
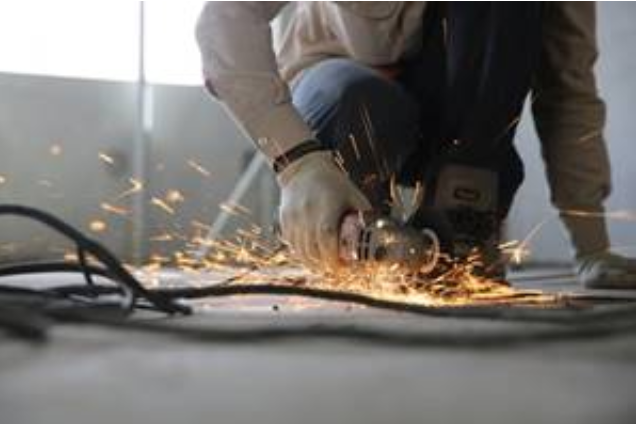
point(240, 69)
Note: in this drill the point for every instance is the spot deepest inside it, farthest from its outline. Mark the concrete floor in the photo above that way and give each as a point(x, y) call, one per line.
point(100, 375)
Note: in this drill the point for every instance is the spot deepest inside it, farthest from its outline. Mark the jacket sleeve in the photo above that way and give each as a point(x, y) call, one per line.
point(570, 117)
point(240, 69)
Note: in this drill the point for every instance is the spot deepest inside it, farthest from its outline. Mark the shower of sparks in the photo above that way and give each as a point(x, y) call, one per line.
point(117, 210)
point(253, 255)
point(380, 162)
point(159, 203)
point(135, 187)
point(200, 169)
point(97, 226)
point(250, 256)
point(106, 158)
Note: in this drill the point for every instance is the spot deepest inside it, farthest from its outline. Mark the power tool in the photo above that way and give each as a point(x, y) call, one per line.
point(371, 237)
point(459, 219)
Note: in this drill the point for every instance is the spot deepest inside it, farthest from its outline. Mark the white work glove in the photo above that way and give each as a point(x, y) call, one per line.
point(606, 270)
point(315, 194)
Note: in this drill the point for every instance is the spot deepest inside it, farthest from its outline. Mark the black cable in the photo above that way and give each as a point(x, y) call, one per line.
point(83, 263)
point(575, 313)
point(115, 269)
point(78, 303)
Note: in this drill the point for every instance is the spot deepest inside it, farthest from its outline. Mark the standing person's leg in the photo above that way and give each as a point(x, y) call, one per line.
point(370, 120)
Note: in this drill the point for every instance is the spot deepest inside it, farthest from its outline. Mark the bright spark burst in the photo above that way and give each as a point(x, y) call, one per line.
point(257, 258)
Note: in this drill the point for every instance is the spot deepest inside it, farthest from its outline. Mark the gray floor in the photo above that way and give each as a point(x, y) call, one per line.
point(100, 375)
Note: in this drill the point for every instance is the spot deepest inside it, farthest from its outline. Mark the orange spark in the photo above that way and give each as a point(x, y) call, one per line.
point(200, 225)
point(162, 237)
point(354, 145)
point(117, 210)
point(174, 196)
point(162, 205)
point(234, 209)
point(200, 169)
point(136, 186)
point(106, 158)
point(97, 226)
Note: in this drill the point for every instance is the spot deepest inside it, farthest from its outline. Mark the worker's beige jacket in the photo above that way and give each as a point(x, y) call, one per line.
point(241, 67)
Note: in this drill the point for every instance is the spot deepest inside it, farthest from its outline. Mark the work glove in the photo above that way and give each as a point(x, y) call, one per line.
point(315, 194)
point(606, 270)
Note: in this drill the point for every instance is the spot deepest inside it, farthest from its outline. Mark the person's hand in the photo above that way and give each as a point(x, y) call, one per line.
point(606, 270)
point(315, 194)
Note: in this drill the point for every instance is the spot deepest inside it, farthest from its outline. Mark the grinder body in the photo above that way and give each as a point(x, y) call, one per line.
point(371, 238)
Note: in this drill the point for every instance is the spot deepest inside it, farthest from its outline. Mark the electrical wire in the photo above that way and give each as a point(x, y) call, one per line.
point(116, 271)
point(575, 307)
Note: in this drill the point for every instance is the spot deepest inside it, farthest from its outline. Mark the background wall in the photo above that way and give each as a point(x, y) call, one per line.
point(86, 117)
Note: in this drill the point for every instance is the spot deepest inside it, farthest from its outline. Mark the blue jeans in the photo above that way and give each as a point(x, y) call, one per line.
point(384, 128)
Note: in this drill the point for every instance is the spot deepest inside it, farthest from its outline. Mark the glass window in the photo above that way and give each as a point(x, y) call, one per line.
point(172, 55)
point(96, 40)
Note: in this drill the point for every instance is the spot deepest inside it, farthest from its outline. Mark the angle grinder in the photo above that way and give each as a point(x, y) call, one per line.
point(371, 237)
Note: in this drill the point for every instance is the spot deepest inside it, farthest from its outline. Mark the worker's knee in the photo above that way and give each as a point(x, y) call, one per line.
point(339, 92)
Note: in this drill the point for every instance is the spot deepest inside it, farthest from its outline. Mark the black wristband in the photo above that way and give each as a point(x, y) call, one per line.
point(295, 153)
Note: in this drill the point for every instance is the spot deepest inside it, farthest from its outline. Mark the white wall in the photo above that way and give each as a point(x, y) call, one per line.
point(85, 118)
